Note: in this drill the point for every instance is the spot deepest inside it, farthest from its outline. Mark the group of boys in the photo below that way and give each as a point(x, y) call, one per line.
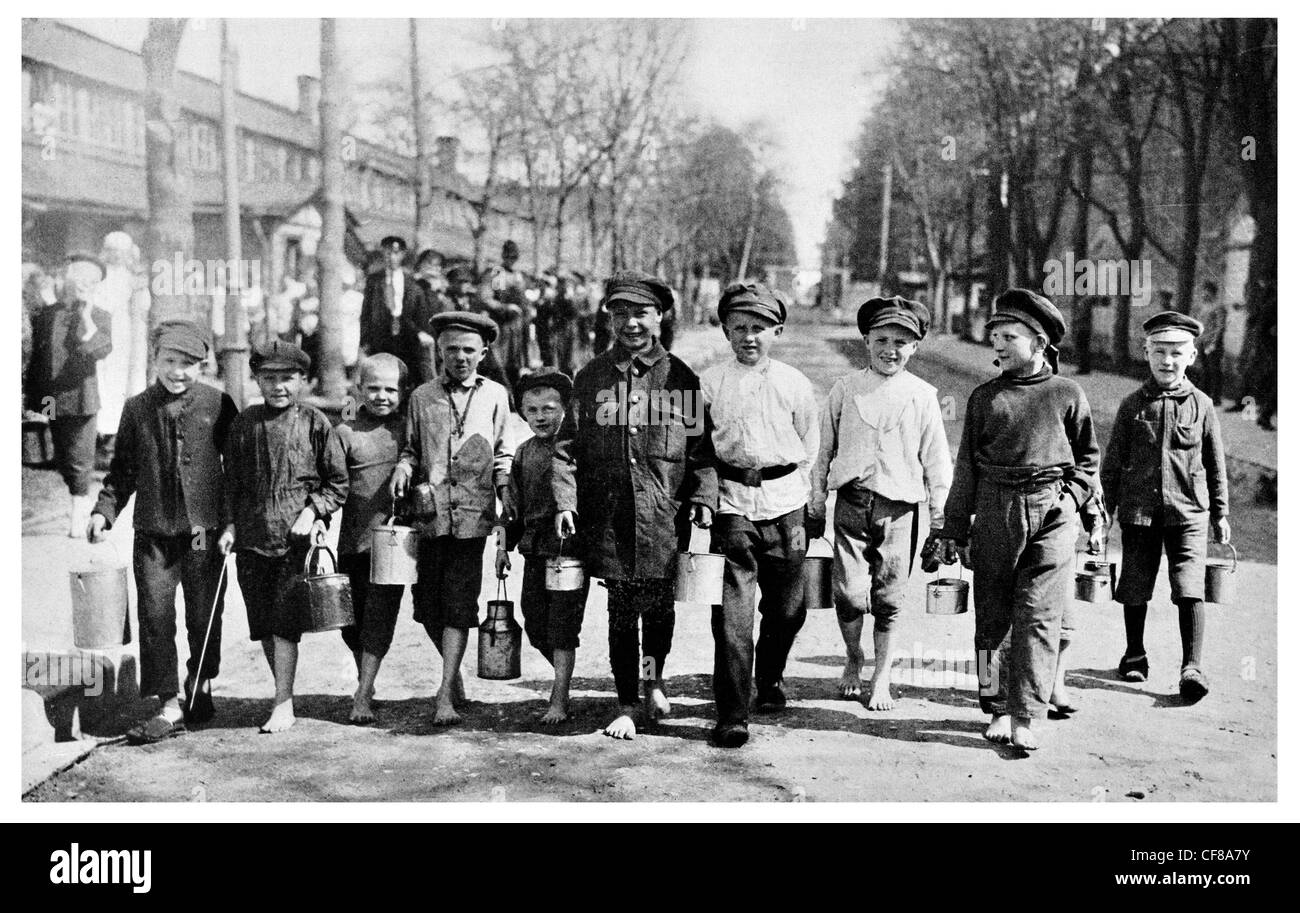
point(630, 456)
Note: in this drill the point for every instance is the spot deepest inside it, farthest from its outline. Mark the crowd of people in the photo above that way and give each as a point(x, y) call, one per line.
point(629, 457)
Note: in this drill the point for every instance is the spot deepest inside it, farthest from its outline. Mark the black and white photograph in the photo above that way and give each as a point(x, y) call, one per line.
point(746, 410)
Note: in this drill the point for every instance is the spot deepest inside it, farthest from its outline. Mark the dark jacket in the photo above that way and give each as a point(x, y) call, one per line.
point(377, 322)
point(628, 476)
point(168, 453)
point(62, 366)
point(1165, 453)
point(277, 464)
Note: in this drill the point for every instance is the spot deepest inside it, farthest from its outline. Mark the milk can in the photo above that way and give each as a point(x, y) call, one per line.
point(500, 639)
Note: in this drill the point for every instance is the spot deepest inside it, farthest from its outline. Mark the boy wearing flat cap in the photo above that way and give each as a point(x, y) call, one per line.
point(634, 460)
point(457, 461)
point(765, 431)
point(884, 451)
point(1026, 468)
point(552, 619)
point(285, 475)
point(169, 443)
point(69, 338)
point(1165, 477)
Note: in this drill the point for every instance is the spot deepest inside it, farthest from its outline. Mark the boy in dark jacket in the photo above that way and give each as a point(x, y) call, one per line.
point(1026, 468)
point(168, 454)
point(633, 465)
point(1165, 478)
point(285, 476)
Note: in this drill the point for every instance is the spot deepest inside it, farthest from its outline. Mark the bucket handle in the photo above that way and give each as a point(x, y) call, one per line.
point(311, 552)
point(960, 568)
point(1233, 549)
point(117, 553)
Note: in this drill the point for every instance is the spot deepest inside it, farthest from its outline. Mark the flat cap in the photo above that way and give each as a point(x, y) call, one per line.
point(1166, 321)
point(86, 257)
point(461, 273)
point(752, 298)
point(181, 336)
point(393, 243)
point(547, 378)
point(895, 311)
point(464, 320)
point(277, 355)
point(638, 288)
point(1031, 309)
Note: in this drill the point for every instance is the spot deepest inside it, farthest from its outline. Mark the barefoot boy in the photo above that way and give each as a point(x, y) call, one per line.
point(456, 457)
point(372, 444)
point(285, 475)
point(765, 431)
point(884, 450)
point(552, 620)
point(1165, 477)
point(634, 464)
point(168, 454)
point(1027, 466)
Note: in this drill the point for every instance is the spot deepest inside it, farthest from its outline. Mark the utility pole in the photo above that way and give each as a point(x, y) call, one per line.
point(420, 183)
point(886, 200)
point(234, 345)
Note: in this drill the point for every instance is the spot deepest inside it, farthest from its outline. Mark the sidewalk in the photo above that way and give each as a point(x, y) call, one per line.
point(1250, 449)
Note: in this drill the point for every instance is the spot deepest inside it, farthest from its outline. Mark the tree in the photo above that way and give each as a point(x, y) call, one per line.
point(329, 255)
point(170, 231)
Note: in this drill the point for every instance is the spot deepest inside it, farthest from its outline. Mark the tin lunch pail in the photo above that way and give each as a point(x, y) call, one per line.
point(817, 590)
point(393, 553)
point(327, 597)
point(564, 574)
point(946, 595)
point(699, 577)
point(1096, 582)
point(500, 639)
point(1219, 584)
point(100, 607)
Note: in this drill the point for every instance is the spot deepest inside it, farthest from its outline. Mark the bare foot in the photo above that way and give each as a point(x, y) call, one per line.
point(281, 718)
point(555, 713)
point(880, 698)
point(999, 730)
point(658, 701)
point(444, 714)
point(1022, 737)
point(362, 712)
point(1062, 700)
point(622, 726)
point(457, 692)
point(851, 679)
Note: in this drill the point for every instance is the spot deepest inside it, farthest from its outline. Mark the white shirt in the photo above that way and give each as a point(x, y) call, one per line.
point(397, 279)
point(764, 415)
point(886, 434)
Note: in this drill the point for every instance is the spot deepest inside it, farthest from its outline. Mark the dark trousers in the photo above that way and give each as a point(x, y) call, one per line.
point(767, 554)
point(649, 601)
point(161, 563)
point(451, 575)
point(1212, 376)
point(1022, 548)
point(74, 450)
point(374, 606)
point(552, 618)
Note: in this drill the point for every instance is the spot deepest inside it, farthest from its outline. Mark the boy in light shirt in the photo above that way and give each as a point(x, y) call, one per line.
point(884, 450)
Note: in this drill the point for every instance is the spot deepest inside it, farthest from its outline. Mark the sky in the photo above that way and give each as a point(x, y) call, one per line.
point(808, 79)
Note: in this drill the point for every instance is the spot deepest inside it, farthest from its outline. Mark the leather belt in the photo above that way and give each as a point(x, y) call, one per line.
point(754, 478)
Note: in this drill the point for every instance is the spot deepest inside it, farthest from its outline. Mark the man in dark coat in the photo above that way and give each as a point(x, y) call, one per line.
point(634, 463)
point(393, 312)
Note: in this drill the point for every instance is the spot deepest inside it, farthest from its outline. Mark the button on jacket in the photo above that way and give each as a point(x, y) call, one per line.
point(1165, 454)
point(168, 453)
point(635, 448)
point(465, 470)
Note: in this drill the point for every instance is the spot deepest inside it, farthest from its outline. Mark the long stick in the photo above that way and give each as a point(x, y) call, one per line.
point(212, 614)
